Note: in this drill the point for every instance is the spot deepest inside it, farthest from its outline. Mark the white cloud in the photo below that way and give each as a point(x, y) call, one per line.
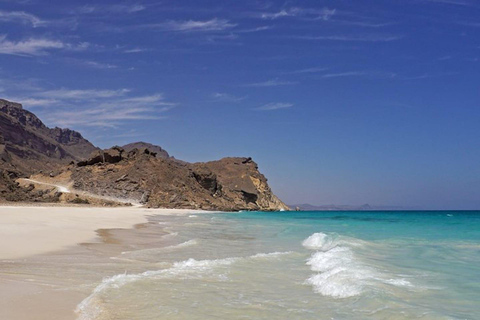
point(106, 116)
point(315, 14)
point(83, 94)
point(361, 38)
point(257, 29)
point(271, 83)
point(367, 74)
point(453, 2)
point(344, 74)
point(99, 65)
point(116, 8)
point(33, 102)
point(274, 106)
point(97, 108)
point(225, 97)
point(22, 17)
point(29, 47)
point(134, 50)
point(195, 26)
point(308, 70)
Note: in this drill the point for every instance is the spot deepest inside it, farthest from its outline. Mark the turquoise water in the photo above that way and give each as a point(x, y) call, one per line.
point(300, 265)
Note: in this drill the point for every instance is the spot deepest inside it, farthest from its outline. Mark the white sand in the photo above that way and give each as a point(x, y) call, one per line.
point(26, 231)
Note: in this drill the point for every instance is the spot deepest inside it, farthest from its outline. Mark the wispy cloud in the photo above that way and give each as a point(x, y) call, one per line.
point(257, 29)
point(452, 2)
point(360, 38)
point(88, 94)
point(226, 97)
point(102, 9)
point(99, 65)
point(33, 102)
point(308, 70)
point(134, 50)
point(96, 107)
point(344, 74)
point(427, 76)
point(371, 74)
point(106, 117)
point(316, 14)
point(271, 83)
point(21, 17)
point(29, 47)
point(214, 24)
point(274, 106)
point(366, 24)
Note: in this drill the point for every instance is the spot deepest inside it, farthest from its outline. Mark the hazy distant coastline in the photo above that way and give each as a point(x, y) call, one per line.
point(335, 207)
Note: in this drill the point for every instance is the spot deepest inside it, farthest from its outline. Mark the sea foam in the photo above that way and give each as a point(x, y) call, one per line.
point(339, 272)
point(91, 307)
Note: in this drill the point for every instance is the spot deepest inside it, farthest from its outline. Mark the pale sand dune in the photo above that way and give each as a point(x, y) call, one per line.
point(26, 231)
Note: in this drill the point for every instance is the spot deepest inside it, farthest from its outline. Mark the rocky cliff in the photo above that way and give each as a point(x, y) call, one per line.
point(140, 172)
point(228, 184)
point(32, 146)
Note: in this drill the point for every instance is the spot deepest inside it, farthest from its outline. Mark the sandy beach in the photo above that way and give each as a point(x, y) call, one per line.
point(34, 235)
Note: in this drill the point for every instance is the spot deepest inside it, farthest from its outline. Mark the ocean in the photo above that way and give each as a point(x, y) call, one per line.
point(295, 265)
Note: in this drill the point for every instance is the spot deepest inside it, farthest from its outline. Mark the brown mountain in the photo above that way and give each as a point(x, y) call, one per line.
point(140, 172)
point(31, 146)
point(140, 176)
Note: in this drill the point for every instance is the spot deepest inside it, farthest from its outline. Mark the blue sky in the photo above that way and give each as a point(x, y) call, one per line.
point(340, 102)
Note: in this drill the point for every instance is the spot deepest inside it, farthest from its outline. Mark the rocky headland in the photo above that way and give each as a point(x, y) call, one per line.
point(138, 172)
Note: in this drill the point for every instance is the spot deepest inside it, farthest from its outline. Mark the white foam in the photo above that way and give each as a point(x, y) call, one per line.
point(153, 251)
point(270, 255)
point(339, 272)
point(398, 282)
point(315, 241)
point(91, 307)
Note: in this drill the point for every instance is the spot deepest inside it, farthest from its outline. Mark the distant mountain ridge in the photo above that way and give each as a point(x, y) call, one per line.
point(332, 207)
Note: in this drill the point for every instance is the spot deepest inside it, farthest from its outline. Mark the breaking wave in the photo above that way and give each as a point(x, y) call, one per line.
point(339, 273)
point(91, 307)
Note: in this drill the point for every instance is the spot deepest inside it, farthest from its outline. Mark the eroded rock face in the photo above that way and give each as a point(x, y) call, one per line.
point(227, 185)
point(112, 155)
point(33, 146)
point(140, 171)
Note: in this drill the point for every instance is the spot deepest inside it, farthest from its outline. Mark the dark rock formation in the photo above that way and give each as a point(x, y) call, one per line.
point(139, 172)
point(33, 146)
point(112, 155)
point(228, 184)
point(160, 152)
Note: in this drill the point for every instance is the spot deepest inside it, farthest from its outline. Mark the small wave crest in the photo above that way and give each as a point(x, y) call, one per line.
point(339, 272)
point(91, 307)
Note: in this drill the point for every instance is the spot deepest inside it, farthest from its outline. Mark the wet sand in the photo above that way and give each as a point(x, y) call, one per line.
point(44, 249)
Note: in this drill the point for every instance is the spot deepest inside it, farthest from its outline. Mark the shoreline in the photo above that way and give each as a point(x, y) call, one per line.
point(35, 237)
point(32, 230)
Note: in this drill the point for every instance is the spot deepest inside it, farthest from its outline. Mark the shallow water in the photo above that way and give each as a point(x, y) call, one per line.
point(292, 265)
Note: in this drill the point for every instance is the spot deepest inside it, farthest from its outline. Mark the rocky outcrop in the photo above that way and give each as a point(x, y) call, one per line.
point(140, 172)
point(159, 151)
point(33, 146)
point(228, 184)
